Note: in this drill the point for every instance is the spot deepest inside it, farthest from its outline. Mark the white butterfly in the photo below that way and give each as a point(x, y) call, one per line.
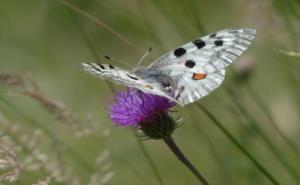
point(186, 74)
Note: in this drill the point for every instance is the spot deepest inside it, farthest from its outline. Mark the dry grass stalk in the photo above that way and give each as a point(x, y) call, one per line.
point(104, 174)
point(61, 112)
point(11, 79)
point(44, 181)
point(54, 168)
point(9, 166)
point(25, 85)
point(290, 53)
point(88, 129)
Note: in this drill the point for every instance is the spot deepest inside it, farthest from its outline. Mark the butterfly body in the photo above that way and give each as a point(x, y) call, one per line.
point(186, 73)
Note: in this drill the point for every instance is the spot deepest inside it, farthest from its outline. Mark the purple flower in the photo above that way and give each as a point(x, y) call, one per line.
point(134, 107)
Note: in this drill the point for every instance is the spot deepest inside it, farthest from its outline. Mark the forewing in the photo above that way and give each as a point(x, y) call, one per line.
point(112, 73)
point(122, 77)
point(208, 54)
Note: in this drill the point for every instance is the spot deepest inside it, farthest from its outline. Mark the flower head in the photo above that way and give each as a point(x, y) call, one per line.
point(134, 106)
point(148, 112)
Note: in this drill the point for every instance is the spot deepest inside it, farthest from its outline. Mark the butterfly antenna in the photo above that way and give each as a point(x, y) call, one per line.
point(143, 57)
point(119, 61)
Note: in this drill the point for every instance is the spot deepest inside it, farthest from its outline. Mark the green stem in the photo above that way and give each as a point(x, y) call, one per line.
point(259, 166)
point(132, 168)
point(98, 22)
point(172, 145)
point(149, 159)
point(292, 172)
point(90, 46)
point(143, 12)
point(263, 106)
point(260, 102)
point(215, 154)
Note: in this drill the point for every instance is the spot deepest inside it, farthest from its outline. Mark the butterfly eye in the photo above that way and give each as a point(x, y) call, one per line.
point(166, 84)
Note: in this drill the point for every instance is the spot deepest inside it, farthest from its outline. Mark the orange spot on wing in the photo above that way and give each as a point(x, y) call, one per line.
point(199, 76)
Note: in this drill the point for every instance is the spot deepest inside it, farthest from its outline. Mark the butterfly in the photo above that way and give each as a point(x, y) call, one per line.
point(185, 74)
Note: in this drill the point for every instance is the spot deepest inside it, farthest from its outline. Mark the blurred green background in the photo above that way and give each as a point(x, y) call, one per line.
point(58, 134)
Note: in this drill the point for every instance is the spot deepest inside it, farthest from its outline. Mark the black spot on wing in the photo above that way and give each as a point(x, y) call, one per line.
point(101, 66)
point(111, 66)
point(190, 63)
point(199, 43)
point(97, 69)
point(179, 52)
point(219, 43)
point(132, 77)
point(212, 35)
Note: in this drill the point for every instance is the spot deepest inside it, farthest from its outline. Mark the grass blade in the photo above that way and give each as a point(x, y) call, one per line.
point(259, 166)
point(149, 160)
point(100, 23)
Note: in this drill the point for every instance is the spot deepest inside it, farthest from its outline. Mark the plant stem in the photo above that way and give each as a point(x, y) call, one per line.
point(150, 161)
point(90, 46)
point(132, 168)
point(277, 153)
point(259, 166)
point(260, 102)
point(214, 152)
point(172, 145)
point(99, 22)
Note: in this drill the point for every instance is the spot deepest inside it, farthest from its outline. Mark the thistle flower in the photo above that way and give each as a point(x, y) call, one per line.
point(148, 112)
point(152, 115)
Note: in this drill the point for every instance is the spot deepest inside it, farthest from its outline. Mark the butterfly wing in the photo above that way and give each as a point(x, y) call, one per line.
point(208, 54)
point(122, 77)
point(195, 69)
point(112, 73)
